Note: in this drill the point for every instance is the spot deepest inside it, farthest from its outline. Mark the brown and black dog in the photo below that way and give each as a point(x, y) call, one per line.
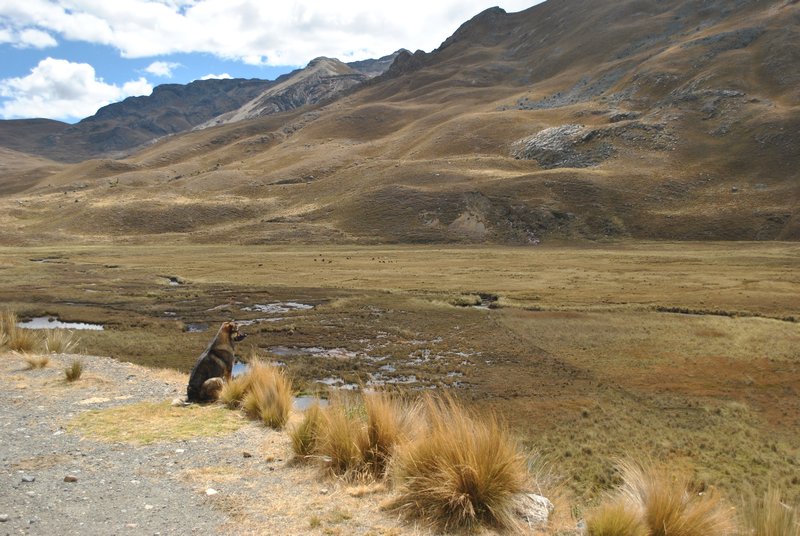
point(214, 366)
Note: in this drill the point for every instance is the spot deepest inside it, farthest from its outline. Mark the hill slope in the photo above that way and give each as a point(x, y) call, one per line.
point(649, 119)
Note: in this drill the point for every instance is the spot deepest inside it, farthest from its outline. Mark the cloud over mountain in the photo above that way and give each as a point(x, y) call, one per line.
point(56, 85)
point(258, 33)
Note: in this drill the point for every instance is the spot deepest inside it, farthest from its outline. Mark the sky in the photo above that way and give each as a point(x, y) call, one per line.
point(64, 59)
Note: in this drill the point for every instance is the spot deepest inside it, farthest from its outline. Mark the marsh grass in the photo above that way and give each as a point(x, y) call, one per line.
point(669, 507)
point(768, 515)
point(304, 434)
point(60, 341)
point(147, 422)
point(343, 437)
point(464, 472)
point(73, 371)
point(268, 395)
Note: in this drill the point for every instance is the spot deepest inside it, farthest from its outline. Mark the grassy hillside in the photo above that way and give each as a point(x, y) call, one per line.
point(573, 119)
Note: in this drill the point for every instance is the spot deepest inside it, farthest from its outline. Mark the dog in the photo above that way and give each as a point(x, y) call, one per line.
point(214, 365)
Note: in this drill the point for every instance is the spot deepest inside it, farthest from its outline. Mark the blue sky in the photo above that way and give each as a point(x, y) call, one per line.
point(63, 59)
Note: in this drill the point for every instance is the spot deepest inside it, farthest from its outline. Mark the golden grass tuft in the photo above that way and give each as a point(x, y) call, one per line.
point(768, 515)
point(668, 506)
point(269, 394)
point(304, 435)
point(358, 435)
point(73, 371)
point(342, 437)
point(616, 518)
point(464, 472)
point(16, 338)
point(234, 391)
point(59, 341)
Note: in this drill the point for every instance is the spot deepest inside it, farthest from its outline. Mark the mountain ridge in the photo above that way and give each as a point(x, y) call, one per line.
point(637, 119)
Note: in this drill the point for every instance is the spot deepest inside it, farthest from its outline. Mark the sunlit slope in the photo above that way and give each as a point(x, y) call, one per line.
point(573, 119)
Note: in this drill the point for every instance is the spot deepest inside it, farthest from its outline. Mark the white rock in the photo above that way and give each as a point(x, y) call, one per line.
point(211, 491)
point(534, 509)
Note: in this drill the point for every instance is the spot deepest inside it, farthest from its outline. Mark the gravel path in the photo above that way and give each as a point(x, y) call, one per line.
point(161, 488)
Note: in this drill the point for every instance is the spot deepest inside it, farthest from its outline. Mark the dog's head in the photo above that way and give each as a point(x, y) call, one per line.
point(233, 331)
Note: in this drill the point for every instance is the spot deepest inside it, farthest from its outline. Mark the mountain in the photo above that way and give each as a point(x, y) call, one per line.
point(321, 79)
point(574, 119)
point(122, 126)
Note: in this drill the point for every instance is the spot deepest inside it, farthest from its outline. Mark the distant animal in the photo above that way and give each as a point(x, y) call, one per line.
point(214, 365)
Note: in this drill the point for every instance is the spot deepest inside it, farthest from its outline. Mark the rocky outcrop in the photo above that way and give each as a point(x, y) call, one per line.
point(322, 79)
point(579, 146)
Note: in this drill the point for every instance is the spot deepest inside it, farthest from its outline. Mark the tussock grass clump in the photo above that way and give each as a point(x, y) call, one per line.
point(269, 394)
point(668, 506)
point(358, 435)
point(462, 473)
point(343, 437)
point(767, 515)
point(59, 341)
point(234, 391)
point(73, 371)
point(304, 435)
point(16, 338)
point(617, 518)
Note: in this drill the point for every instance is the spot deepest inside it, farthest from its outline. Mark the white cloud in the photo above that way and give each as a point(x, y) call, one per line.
point(251, 31)
point(162, 68)
point(27, 38)
point(60, 89)
point(33, 38)
point(223, 76)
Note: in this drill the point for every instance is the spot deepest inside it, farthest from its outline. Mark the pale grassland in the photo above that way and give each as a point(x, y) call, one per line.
point(150, 422)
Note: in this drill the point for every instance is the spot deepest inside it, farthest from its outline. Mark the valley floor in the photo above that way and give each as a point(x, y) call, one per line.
point(681, 352)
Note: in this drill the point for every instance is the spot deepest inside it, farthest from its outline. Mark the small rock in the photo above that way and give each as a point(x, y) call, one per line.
point(28, 478)
point(323, 491)
point(131, 525)
point(70, 478)
point(211, 491)
point(247, 454)
point(179, 451)
point(535, 509)
point(3, 518)
point(148, 506)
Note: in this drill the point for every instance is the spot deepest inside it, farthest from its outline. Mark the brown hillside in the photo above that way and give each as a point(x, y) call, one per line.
point(588, 119)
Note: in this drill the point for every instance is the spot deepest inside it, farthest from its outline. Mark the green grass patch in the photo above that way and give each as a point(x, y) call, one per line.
point(150, 422)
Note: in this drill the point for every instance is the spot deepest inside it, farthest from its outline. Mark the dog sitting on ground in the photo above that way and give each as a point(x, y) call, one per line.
point(214, 366)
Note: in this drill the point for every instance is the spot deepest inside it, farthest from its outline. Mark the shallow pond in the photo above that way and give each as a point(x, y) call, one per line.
point(48, 322)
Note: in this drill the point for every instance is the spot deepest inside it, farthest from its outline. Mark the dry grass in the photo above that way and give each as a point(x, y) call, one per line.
point(60, 341)
point(16, 338)
point(73, 371)
point(149, 422)
point(269, 394)
point(669, 507)
point(768, 515)
point(304, 434)
point(36, 361)
point(343, 437)
point(464, 472)
point(234, 391)
point(617, 518)
point(358, 435)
